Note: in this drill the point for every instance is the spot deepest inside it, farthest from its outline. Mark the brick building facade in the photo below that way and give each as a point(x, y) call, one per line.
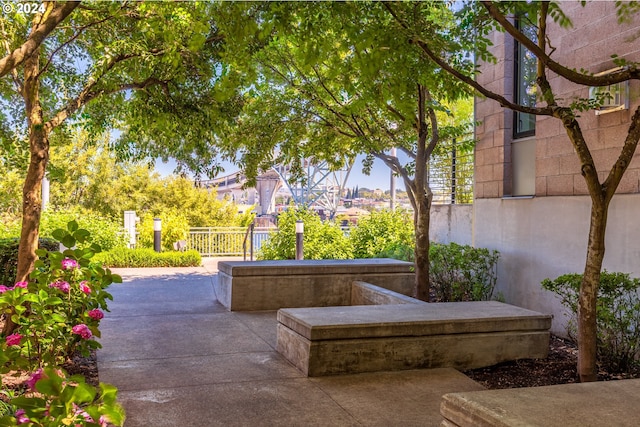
point(531, 202)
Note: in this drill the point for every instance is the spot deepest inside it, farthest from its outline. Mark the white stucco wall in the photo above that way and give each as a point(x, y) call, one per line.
point(546, 237)
point(451, 223)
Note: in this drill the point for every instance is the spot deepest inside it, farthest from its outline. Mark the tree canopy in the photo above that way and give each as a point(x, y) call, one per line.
point(152, 69)
point(335, 82)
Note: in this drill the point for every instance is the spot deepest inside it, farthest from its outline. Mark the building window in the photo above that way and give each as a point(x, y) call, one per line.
point(525, 73)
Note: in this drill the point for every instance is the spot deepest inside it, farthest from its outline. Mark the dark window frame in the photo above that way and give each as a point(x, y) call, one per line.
point(517, 115)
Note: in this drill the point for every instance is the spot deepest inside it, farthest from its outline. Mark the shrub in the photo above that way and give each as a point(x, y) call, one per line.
point(322, 240)
point(9, 225)
point(56, 313)
point(400, 251)
point(381, 232)
point(461, 272)
point(145, 257)
point(105, 232)
point(175, 227)
point(9, 257)
point(617, 316)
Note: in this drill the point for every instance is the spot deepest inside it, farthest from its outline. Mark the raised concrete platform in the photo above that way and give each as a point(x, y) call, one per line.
point(179, 358)
point(612, 403)
point(270, 285)
point(363, 293)
point(462, 335)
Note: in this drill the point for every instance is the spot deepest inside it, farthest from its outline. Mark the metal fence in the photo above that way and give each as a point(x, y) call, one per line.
point(227, 241)
point(451, 177)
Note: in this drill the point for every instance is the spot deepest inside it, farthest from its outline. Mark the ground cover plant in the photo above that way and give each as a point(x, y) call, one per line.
point(54, 315)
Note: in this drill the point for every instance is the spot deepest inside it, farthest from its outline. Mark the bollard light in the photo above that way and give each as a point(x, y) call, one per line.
point(299, 238)
point(157, 234)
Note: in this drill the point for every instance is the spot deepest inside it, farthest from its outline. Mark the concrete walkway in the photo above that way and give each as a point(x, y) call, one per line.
point(179, 358)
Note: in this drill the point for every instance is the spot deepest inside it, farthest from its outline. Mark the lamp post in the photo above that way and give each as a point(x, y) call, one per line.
point(299, 236)
point(157, 234)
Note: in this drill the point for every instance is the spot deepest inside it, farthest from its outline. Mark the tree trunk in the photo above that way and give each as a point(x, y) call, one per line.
point(31, 192)
point(421, 223)
point(39, 157)
point(587, 326)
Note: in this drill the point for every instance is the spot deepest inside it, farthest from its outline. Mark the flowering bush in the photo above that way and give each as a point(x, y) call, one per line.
point(56, 314)
point(55, 399)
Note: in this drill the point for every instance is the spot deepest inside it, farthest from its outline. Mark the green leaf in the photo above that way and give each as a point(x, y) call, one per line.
point(68, 241)
point(41, 252)
point(83, 393)
point(81, 235)
point(59, 234)
point(72, 226)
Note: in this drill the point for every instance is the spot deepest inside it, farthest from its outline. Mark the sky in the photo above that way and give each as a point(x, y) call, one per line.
point(379, 178)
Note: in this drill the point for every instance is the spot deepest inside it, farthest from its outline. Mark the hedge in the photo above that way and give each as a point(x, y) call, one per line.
point(144, 257)
point(9, 257)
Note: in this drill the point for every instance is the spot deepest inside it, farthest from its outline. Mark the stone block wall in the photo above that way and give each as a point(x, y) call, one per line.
point(588, 44)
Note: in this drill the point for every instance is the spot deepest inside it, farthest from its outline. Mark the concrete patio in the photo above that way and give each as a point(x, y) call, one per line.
point(179, 358)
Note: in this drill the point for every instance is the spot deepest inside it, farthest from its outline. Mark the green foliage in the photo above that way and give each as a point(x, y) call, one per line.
point(381, 232)
point(56, 313)
point(321, 240)
point(10, 198)
point(200, 206)
point(62, 290)
point(617, 316)
point(105, 232)
point(63, 400)
point(461, 272)
point(175, 227)
point(9, 257)
point(400, 251)
point(148, 258)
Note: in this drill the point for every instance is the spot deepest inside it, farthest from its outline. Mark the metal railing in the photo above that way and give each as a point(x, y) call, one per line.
point(225, 241)
point(254, 237)
point(451, 177)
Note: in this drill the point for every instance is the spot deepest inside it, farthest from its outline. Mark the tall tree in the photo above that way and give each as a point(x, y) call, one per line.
point(150, 67)
point(70, 57)
point(336, 81)
point(491, 16)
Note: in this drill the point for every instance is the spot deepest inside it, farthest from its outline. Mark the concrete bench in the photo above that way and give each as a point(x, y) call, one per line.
point(462, 335)
point(363, 293)
point(612, 403)
point(270, 285)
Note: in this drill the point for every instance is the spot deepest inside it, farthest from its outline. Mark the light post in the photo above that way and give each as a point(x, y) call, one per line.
point(157, 234)
point(299, 236)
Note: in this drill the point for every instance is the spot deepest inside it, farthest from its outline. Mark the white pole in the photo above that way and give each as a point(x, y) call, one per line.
point(45, 192)
point(392, 186)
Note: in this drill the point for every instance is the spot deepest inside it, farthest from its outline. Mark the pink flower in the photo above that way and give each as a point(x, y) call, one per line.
point(62, 285)
point(35, 377)
point(84, 287)
point(77, 411)
point(20, 285)
point(82, 330)
point(21, 418)
point(13, 339)
point(4, 289)
point(69, 264)
point(96, 314)
point(103, 421)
